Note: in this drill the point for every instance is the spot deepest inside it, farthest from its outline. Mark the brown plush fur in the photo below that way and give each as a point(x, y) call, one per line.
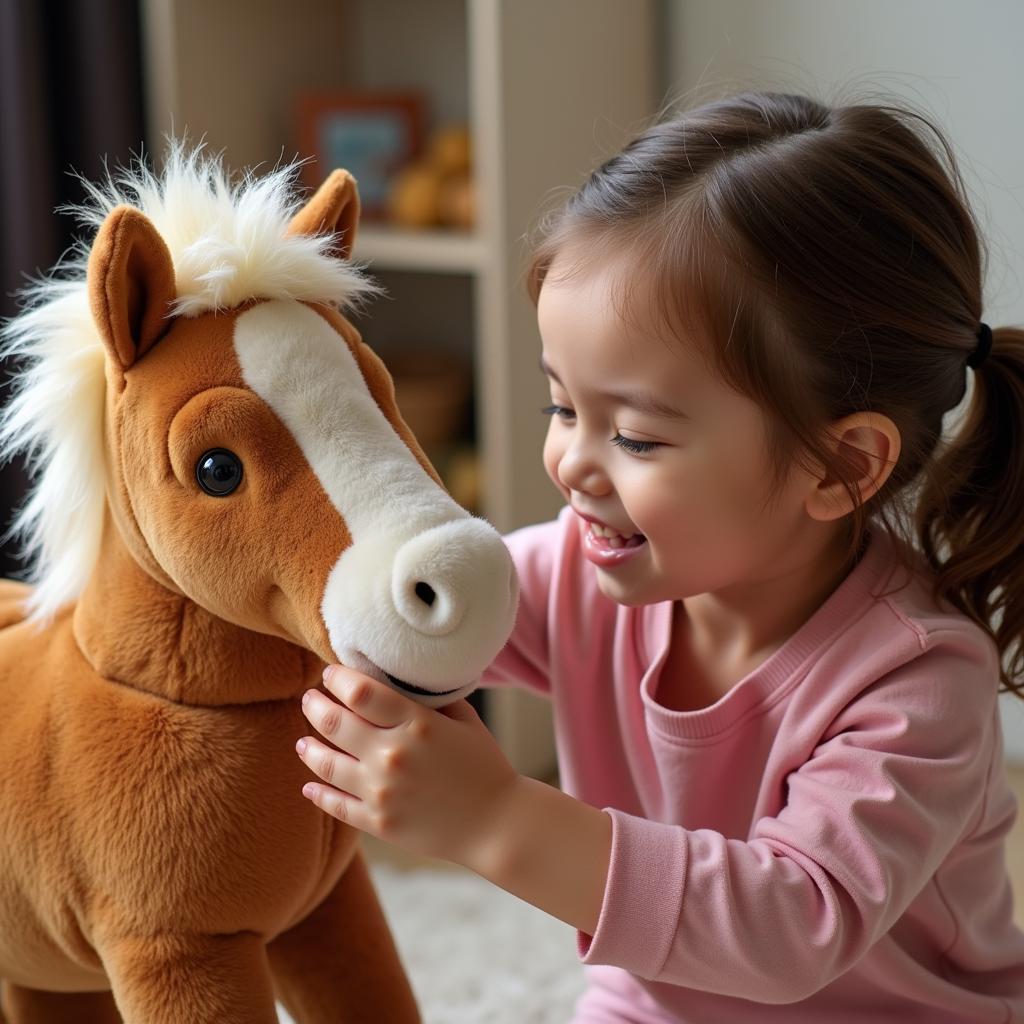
point(153, 838)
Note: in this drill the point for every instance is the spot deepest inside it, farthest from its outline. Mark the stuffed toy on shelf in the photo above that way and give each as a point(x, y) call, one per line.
point(437, 190)
point(225, 498)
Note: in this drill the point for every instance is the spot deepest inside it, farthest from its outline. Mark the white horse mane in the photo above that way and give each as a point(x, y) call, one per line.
point(227, 242)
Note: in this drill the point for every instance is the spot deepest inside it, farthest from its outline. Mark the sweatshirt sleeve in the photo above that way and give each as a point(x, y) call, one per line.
point(525, 659)
point(898, 779)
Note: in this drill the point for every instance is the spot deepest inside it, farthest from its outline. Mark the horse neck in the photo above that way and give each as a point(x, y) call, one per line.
point(134, 631)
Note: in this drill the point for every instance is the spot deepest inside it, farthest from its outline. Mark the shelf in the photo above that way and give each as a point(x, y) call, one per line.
point(447, 252)
point(530, 79)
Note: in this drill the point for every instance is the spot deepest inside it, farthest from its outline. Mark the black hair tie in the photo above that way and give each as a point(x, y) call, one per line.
point(984, 346)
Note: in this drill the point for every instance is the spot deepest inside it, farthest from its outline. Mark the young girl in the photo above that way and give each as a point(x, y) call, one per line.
point(778, 735)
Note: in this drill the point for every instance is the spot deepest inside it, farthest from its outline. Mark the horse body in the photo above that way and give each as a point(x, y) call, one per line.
point(213, 809)
point(260, 509)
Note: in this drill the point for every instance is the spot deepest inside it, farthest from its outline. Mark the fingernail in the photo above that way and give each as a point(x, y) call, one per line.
point(301, 746)
point(309, 790)
point(307, 697)
point(327, 672)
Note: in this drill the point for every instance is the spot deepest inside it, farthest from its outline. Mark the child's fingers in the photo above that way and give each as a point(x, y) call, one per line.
point(342, 806)
point(335, 767)
point(343, 798)
point(347, 731)
point(460, 711)
point(369, 698)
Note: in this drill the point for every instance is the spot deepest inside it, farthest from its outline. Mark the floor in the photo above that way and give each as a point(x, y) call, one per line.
point(387, 854)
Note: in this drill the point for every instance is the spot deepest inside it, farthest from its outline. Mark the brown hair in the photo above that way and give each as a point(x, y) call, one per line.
point(831, 254)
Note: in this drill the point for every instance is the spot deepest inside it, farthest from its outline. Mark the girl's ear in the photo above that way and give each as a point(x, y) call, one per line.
point(870, 444)
point(131, 285)
point(333, 209)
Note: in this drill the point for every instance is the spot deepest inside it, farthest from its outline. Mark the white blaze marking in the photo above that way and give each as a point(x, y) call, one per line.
point(299, 365)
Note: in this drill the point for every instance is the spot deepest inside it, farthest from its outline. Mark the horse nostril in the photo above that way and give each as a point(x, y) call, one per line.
point(425, 593)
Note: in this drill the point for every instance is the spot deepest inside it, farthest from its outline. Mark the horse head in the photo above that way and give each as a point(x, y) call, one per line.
point(254, 458)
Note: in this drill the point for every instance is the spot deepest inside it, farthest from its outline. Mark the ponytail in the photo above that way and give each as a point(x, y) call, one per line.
point(970, 513)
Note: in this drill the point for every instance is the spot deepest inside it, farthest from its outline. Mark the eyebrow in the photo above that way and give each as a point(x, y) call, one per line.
point(641, 401)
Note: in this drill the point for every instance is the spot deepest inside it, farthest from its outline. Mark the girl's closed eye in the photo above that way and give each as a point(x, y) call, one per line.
point(558, 410)
point(635, 446)
point(630, 444)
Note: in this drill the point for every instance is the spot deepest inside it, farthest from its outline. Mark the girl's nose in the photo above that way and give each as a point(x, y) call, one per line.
point(580, 470)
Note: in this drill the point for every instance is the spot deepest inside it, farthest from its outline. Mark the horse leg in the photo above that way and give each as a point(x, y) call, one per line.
point(32, 1006)
point(339, 965)
point(202, 979)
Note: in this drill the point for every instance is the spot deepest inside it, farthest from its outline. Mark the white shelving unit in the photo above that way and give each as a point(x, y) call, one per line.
point(548, 88)
point(431, 252)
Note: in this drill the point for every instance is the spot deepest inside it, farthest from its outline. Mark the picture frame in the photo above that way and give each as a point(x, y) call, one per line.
point(372, 135)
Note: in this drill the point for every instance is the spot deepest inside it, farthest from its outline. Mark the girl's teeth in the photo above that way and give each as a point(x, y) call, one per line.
point(616, 540)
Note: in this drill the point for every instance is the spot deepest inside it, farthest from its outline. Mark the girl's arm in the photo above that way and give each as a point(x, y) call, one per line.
point(868, 820)
point(436, 783)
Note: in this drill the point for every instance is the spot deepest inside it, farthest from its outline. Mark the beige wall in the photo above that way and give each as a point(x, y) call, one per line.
point(959, 62)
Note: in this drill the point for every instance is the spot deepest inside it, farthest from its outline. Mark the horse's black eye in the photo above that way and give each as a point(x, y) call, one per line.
point(219, 472)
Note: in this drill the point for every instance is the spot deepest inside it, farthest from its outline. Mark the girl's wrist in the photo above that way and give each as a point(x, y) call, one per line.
point(488, 848)
point(549, 849)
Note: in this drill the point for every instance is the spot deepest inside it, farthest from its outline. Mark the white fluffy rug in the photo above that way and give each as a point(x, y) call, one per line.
point(475, 954)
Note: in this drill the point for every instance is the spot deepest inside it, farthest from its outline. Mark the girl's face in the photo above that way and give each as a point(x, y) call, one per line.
point(646, 440)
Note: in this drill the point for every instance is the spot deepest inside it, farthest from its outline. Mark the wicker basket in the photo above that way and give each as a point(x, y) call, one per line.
point(432, 389)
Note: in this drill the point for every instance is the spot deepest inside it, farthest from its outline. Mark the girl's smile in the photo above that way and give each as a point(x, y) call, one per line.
point(609, 551)
point(605, 546)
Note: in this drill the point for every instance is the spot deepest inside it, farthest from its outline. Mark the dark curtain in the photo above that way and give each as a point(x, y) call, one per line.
point(70, 96)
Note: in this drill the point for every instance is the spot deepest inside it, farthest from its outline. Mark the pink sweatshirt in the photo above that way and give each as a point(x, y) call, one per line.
point(823, 844)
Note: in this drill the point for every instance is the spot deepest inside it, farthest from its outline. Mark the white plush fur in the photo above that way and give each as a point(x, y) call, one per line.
point(56, 418)
point(227, 244)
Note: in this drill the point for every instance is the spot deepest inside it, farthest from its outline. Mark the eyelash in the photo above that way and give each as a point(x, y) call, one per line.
point(629, 443)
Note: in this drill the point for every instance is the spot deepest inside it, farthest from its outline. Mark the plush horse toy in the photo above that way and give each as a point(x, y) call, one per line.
point(226, 497)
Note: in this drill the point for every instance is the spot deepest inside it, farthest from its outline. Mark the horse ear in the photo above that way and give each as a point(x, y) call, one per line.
point(131, 284)
point(333, 209)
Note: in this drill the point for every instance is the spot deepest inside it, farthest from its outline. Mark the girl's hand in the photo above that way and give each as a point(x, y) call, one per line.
point(431, 781)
